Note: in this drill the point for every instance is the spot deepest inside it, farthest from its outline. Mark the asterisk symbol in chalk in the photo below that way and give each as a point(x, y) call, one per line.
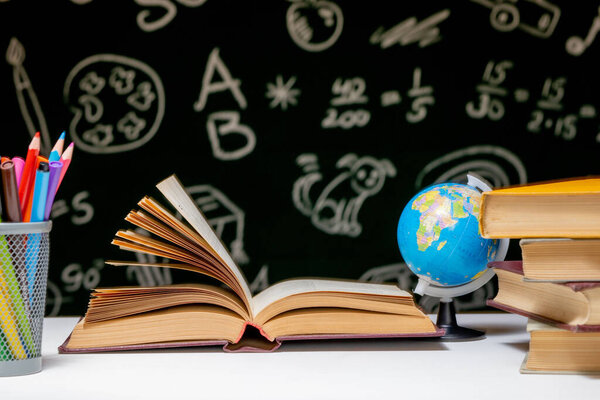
point(282, 93)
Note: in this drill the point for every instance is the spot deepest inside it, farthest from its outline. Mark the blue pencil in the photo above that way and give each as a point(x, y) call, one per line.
point(57, 149)
point(38, 211)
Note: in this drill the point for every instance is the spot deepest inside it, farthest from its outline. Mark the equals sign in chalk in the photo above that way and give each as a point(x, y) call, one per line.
point(587, 111)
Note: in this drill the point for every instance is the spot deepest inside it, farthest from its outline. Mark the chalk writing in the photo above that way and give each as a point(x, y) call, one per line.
point(549, 104)
point(75, 278)
point(83, 212)
point(347, 92)
point(490, 102)
point(422, 96)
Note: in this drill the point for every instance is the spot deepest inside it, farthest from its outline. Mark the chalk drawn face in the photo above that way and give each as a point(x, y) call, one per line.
point(118, 103)
point(314, 25)
point(367, 176)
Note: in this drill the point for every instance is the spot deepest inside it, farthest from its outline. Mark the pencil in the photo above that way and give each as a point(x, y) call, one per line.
point(26, 216)
point(58, 148)
point(66, 160)
point(28, 176)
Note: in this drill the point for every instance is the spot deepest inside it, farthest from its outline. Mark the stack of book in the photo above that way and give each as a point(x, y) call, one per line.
point(557, 283)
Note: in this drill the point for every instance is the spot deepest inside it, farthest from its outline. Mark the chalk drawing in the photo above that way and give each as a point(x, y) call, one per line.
point(223, 123)
point(215, 64)
point(536, 17)
point(411, 31)
point(118, 103)
point(226, 218)
point(81, 2)
point(576, 45)
point(261, 282)
point(282, 93)
point(314, 25)
point(335, 209)
point(144, 17)
point(29, 105)
point(398, 273)
point(488, 161)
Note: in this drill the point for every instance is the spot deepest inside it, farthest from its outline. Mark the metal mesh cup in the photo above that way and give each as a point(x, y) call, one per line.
point(24, 256)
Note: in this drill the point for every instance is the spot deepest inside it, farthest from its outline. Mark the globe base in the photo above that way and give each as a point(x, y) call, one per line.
point(446, 319)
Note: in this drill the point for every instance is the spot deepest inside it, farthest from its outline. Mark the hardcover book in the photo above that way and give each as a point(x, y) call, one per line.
point(557, 351)
point(561, 259)
point(199, 314)
point(573, 306)
point(556, 209)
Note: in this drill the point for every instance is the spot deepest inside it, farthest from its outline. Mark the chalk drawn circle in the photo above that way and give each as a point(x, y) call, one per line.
point(575, 46)
point(115, 61)
point(296, 31)
point(496, 164)
point(504, 17)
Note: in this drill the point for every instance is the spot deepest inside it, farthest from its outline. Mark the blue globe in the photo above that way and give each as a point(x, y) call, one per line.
point(438, 235)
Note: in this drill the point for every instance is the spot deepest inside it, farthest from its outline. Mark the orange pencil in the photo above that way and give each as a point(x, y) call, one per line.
point(5, 159)
point(27, 213)
point(28, 177)
point(66, 157)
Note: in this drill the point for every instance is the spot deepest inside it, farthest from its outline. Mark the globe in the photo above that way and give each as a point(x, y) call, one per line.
point(438, 235)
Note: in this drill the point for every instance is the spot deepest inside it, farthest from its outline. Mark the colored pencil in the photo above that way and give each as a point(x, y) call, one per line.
point(58, 148)
point(66, 160)
point(26, 216)
point(28, 177)
point(19, 164)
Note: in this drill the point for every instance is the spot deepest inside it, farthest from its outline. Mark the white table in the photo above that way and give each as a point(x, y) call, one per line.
point(394, 369)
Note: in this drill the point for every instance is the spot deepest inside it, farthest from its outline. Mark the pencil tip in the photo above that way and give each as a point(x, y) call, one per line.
point(62, 136)
point(37, 135)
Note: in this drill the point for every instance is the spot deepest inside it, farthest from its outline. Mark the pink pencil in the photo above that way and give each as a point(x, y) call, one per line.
point(19, 164)
point(66, 157)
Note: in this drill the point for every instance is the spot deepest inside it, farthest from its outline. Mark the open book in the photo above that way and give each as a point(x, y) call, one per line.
point(200, 314)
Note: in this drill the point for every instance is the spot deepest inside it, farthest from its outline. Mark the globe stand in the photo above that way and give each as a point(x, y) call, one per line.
point(446, 319)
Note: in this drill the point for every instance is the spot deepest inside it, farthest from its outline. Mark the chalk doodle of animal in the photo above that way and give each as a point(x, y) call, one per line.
point(335, 209)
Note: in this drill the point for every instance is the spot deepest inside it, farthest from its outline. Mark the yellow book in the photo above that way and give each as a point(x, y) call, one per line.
point(554, 209)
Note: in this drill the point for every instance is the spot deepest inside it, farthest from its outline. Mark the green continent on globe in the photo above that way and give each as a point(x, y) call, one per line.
point(442, 210)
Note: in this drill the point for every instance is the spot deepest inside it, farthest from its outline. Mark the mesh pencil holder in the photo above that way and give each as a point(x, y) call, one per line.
point(24, 256)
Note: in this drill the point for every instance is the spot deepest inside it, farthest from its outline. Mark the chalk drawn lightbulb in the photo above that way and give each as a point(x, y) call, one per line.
point(117, 102)
point(314, 25)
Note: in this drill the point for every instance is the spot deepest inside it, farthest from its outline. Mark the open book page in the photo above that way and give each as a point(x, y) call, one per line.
point(174, 191)
point(296, 286)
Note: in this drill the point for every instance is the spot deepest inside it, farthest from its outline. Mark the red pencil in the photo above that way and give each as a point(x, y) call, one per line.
point(66, 157)
point(26, 216)
point(28, 177)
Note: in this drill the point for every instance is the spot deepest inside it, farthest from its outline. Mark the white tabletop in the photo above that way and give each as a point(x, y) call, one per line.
point(394, 369)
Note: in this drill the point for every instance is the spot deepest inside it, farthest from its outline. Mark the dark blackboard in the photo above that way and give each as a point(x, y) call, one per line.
point(274, 112)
